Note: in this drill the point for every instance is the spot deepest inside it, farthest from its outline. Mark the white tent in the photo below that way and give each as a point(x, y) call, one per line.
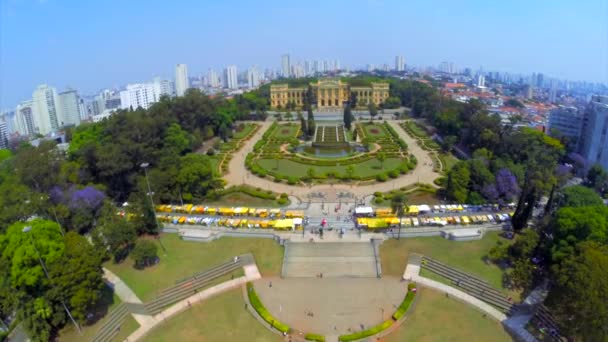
point(423, 208)
point(364, 211)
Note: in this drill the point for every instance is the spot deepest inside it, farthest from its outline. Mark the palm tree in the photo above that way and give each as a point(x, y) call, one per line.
point(399, 207)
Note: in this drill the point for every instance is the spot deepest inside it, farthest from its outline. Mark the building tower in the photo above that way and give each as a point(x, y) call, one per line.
point(181, 79)
point(399, 63)
point(253, 77)
point(594, 138)
point(230, 80)
point(285, 65)
point(45, 104)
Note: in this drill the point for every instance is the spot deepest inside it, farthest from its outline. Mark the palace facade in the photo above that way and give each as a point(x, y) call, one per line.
point(328, 94)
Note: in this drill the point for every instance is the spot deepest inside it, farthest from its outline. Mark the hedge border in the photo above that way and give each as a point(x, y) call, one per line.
point(261, 310)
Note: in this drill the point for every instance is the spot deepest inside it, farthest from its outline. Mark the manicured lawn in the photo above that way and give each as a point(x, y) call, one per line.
point(246, 129)
point(285, 131)
point(467, 256)
point(221, 318)
point(374, 130)
point(449, 160)
point(438, 318)
point(237, 199)
point(363, 169)
point(417, 130)
point(184, 258)
point(422, 197)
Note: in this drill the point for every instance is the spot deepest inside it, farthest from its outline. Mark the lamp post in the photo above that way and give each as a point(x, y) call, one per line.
point(26, 230)
point(145, 167)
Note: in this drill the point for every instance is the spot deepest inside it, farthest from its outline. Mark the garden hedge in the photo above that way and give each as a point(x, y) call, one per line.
point(314, 337)
point(366, 333)
point(261, 310)
point(407, 301)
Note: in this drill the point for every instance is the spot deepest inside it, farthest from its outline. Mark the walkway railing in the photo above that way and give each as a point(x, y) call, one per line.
point(111, 326)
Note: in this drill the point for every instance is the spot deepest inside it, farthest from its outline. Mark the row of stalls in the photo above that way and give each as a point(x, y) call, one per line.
point(278, 224)
point(423, 209)
point(190, 209)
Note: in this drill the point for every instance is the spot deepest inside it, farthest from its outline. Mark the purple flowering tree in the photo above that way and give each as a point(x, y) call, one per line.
point(89, 197)
point(506, 184)
point(490, 192)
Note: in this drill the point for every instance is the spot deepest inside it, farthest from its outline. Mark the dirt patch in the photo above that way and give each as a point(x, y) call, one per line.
point(374, 131)
point(285, 131)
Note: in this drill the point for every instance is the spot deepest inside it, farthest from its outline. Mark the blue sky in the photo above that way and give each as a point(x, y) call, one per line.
point(92, 44)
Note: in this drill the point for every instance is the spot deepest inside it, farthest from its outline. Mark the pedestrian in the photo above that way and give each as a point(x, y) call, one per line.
point(270, 284)
point(189, 305)
point(246, 306)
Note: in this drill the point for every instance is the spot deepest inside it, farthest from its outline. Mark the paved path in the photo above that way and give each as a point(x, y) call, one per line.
point(412, 273)
point(251, 274)
point(122, 290)
point(423, 173)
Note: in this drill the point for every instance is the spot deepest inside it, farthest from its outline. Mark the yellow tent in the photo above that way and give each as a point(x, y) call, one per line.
point(392, 220)
point(465, 220)
point(226, 211)
point(294, 213)
point(264, 224)
point(188, 208)
point(459, 208)
point(383, 212)
point(210, 210)
point(412, 210)
point(374, 223)
point(251, 211)
point(406, 222)
point(261, 212)
point(362, 221)
point(275, 212)
point(283, 224)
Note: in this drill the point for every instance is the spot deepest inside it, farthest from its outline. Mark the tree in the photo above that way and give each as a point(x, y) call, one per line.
point(355, 134)
point(310, 122)
point(195, 176)
point(144, 253)
point(579, 196)
point(113, 233)
point(177, 141)
point(350, 171)
point(597, 178)
point(310, 173)
point(303, 126)
point(448, 143)
point(77, 276)
point(381, 156)
point(392, 102)
point(398, 206)
point(288, 116)
point(459, 178)
point(348, 117)
point(578, 298)
point(373, 110)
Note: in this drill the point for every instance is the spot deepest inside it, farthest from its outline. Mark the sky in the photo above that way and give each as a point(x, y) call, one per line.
point(90, 45)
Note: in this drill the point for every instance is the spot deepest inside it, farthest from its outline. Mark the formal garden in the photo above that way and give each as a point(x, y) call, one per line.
point(376, 154)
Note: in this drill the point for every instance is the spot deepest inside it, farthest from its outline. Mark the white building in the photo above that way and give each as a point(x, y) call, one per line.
point(3, 134)
point(45, 103)
point(594, 138)
point(213, 80)
point(162, 87)
point(230, 80)
point(24, 118)
point(69, 108)
point(568, 122)
point(137, 95)
point(181, 79)
point(481, 81)
point(285, 66)
point(399, 63)
point(253, 77)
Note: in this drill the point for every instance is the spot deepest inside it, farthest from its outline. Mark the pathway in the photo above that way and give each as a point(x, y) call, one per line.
point(423, 173)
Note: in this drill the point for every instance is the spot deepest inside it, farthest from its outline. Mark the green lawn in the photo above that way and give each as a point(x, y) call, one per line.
point(237, 199)
point(422, 197)
point(467, 256)
point(221, 318)
point(242, 133)
point(285, 131)
point(184, 258)
point(415, 129)
point(364, 169)
point(438, 318)
point(374, 130)
point(449, 160)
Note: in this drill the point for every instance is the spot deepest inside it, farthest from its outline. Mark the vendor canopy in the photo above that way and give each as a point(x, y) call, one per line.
point(364, 210)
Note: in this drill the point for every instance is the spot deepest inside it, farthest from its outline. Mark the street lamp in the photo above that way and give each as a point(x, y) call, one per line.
point(145, 167)
point(26, 230)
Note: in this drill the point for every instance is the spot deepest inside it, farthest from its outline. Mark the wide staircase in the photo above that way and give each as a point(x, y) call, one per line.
point(331, 259)
point(542, 317)
point(111, 326)
point(188, 286)
point(470, 284)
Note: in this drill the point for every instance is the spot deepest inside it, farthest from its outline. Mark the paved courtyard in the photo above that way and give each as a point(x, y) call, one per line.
point(338, 305)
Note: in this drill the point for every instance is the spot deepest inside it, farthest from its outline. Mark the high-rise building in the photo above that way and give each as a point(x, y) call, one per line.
point(285, 66)
point(181, 79)
point(567, 122)
point(213, 80)
point(3, 134)
point(230, 80)
point(553, 92)
point(253, 77)
point(69, 110)
point(481, 81)
point(24, 117)
point(399, 63)
point(137, 95)
point(161, 87)
point(45, 103)
point(594, 138)
point(337, 65)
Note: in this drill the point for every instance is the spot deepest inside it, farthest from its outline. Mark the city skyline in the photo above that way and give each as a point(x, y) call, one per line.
point(537, 36)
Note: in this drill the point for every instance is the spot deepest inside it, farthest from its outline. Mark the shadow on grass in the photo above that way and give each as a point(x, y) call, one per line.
point(100, 310)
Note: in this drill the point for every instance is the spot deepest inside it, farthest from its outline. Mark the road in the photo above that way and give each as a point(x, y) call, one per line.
point(423, 173)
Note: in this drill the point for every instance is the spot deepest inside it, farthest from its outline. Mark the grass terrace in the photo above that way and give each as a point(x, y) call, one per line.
point(184, 258)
